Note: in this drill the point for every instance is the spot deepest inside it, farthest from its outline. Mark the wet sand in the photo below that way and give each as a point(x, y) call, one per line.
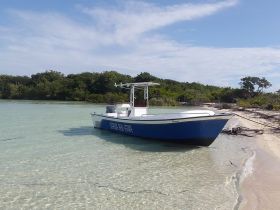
point(261, 188)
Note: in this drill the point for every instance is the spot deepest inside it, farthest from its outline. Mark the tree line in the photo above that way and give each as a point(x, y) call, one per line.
point(99, 88)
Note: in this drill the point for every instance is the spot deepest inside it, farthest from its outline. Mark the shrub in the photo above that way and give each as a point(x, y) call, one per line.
point(269, 107)
point(276, 107)
point(163, 102)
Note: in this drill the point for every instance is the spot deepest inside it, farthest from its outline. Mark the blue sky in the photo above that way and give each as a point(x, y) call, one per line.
point(208, 41)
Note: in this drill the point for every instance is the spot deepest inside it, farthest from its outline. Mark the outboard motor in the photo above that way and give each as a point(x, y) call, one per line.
point(111, 109)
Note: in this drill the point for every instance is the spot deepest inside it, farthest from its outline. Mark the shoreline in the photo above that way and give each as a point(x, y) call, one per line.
point(259, 188)
point(240, 175)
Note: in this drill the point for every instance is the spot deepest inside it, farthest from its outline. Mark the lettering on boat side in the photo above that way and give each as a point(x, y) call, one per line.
point(121, 127)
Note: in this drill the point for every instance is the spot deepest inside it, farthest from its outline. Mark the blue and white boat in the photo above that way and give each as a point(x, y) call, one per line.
point(195, 127)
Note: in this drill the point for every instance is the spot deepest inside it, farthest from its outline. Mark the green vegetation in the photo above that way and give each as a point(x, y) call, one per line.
point(267, 101)
point(254, 85)
point(99, 88)
point(254, 96)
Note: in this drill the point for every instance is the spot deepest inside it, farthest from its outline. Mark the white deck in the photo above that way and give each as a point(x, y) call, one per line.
point(186, 114)
point(162, 118)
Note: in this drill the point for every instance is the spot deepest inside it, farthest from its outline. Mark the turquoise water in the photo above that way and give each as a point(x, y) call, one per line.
point(52, 158)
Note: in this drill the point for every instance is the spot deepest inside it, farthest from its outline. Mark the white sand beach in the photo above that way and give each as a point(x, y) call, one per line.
point(261, 188)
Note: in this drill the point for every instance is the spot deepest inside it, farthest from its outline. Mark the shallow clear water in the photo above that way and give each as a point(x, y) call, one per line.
point(52, 157)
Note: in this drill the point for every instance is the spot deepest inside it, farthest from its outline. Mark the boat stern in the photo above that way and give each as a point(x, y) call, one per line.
point(96, 120)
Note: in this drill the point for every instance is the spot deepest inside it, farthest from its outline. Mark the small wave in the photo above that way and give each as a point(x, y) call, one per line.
point(248, 167)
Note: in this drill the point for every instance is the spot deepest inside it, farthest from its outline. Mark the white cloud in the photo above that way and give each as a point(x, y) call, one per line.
point(137, 18)
point(117, 39)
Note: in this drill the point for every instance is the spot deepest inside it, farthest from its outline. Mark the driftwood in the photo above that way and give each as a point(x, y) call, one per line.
point(243, 131)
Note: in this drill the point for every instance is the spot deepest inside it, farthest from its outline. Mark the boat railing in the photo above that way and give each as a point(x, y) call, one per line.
point(176, 113)
point(185, 113)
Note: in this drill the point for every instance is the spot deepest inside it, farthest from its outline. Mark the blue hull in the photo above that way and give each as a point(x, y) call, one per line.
point(195, 132)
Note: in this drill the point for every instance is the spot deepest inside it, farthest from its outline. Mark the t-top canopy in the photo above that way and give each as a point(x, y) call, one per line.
point(137, 84)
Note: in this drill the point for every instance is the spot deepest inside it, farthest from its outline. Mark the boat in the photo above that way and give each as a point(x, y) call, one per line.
point(193, 127)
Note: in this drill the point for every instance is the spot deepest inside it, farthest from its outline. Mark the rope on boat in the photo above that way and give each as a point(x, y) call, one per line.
point(266, 125)
point(248, 132)
point(243, 131)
